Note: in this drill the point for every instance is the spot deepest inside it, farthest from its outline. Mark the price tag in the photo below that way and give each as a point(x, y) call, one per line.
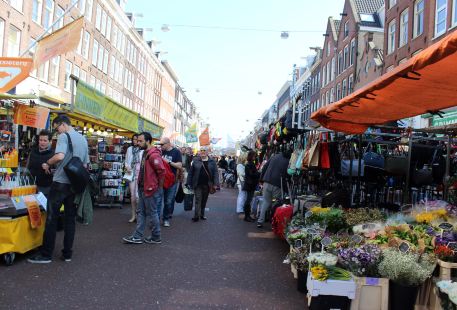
point(312, 231)
point(372, 281)
point(326, 241)
point(357, 239)
point(34, 215)
point(308, 214)
point(404, 247)
point(298, 244)
point(446, 226)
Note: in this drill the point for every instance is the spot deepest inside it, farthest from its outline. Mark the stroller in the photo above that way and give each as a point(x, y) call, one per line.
point(229, 178)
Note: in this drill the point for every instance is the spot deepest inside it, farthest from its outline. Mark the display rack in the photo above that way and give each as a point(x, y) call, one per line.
point(110, 156)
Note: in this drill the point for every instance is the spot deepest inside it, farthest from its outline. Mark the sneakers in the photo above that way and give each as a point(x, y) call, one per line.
point(166, 223)
point(132, 240)
point(152, 241)
point(39, 259)
point(259, 225)
point(203, 218)
point(63, 258)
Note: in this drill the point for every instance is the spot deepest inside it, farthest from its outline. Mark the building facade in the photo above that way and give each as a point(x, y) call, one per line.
point(112, 56)
point(167, 100)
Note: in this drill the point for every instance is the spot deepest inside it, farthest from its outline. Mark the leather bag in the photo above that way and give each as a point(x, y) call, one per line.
point(373, 159)
point(76, 172)
point(346, 165)
point(396, 165)
point(314, 152)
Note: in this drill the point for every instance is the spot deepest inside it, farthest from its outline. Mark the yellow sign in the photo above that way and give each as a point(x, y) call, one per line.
point(13, 71)
point(64, 40)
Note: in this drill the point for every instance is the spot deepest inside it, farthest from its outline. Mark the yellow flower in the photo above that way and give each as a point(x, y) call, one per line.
point(317, 210)
point(319, 273)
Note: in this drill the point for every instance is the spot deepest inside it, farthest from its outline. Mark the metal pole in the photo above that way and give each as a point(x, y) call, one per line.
point(408, 169)
point(448, 168)
point(49, 28)
point(359, 170)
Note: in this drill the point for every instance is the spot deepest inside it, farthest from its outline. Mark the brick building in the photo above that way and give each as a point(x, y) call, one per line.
point(328, 64)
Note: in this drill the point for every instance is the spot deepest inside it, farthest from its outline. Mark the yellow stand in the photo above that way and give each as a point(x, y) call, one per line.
point(16, 235)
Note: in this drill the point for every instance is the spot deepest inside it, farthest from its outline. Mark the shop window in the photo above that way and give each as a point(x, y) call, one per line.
point(419, 17)
point(14, 41)
point(440, 17)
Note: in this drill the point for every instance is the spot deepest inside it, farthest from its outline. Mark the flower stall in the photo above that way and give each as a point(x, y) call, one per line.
point(375, 259)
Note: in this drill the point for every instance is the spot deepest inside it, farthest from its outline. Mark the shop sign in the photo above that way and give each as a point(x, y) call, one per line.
point(204, 137)
point(35, 117)
point(93, 103)
point(64, 40)
point(448, 119)
point(153, 129)
point(13, 71)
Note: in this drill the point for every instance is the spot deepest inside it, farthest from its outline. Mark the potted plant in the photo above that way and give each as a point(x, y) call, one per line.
point(406, 271)
point(298, 258)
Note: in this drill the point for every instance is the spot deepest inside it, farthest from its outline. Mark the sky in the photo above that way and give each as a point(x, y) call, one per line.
point(223, 71)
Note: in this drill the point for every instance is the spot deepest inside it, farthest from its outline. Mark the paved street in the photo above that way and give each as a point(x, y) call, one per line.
point(223, 263)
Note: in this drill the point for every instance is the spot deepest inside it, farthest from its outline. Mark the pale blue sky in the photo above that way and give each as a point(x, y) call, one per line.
point(230, 67)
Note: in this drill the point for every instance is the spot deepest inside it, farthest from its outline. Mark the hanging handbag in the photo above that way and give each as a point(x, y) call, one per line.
point(299, 162)
point(424, 176)
point(314, 154)
point(346, 168)
point(373, 159)
point(76, 171)
point(324, 156)
point(396, 164)
point(179, 194)
point(188, 202)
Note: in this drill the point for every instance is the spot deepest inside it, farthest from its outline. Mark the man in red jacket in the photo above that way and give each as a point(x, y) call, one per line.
point(150, 180)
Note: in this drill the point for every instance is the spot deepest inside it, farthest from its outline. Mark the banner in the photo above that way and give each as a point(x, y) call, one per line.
point(35, 117)
point(62, 41)
point(13, 70)
point(215, 140)
point(145, 125)
point(191, 134)
point(204, 137)
point(93, 103)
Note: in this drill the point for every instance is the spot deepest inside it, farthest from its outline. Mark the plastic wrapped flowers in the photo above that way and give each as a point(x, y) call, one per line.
point(322, 273)
point(323, 258)
point(449, 288)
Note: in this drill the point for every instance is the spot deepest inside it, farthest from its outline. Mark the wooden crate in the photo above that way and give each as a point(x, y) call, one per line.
point(371, 294)
point(445, 269)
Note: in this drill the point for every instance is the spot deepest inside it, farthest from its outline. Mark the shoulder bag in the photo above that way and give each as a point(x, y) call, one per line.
point(212, 189)
point(76, 172)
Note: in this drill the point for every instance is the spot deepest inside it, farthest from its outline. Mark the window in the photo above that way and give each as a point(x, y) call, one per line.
point(440, 17)
point(2, 31)
point(43, 71)
point(340, 62)
point(85, 44)
point(454, 12)
point(82, 5)
point(14, 41)
point(92, 81)
point(103, 26)
point(89, 8)
point(98, 17)
point(332, 95)
point(391, 37)
point(105, 62)
point(352, 53)
point(94, 53)
point(344, 93)
point(418, 17)
point(58, 12)
point(101, 51)
point(338, 92)
point(328, 49)
point(403, 28)
point(67, 81)
point(37, 9)
point(346, 56)
point(17, 4)
point(324, 74)
point(83, 76)
point(111, 66)
point(48, 11)
point(392, 3)
point(108, 28)
point(332, 75)
point(114, 36)
point(346, 29)
point(54, 71)
point(350, 84)
point(76, 71)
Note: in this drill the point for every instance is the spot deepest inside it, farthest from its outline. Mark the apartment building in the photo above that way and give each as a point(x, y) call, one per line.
point(167, 99)
point(185, 114)
point(312, 88)
point(411, 26)
point(112, 55)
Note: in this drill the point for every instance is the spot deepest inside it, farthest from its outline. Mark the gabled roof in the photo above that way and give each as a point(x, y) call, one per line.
point(337, 23)
point(367, 12)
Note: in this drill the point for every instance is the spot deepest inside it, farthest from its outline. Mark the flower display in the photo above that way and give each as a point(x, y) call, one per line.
point(428, 217)
point(363, 215)
point(444, 253)
point(416, 236)
point(299, 258)
point(322, 273)
point(361, 261)
point(408, 269)
point(332, 218)
point(323, 258)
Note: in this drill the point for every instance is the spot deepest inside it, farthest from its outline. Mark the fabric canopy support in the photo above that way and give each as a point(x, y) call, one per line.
point(426, 83)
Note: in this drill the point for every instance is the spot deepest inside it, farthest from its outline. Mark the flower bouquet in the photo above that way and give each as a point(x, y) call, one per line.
point(427, 217)
point(416, 236)
point(332, 218)
point(322, 258)
point(361, 261)
point(444, 253)
point(355, 217)
point(369, 230)
point(322, 273)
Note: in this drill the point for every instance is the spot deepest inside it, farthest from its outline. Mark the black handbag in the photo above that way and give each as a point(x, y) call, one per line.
point(179, 194)
point(396, 165)
point(76, 172)
point(373, 159)
point(188, 202)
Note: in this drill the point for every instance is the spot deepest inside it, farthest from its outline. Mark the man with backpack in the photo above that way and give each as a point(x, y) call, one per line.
point(174, 158)
point(150, 181)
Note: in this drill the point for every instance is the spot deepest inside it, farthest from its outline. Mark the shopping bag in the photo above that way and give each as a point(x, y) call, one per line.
point(324, 156)
point(314, 152)
point(188, 202)
point(179, 194)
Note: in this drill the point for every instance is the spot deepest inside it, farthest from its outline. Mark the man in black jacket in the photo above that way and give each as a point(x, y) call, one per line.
point(274, 172)
point(38, 156)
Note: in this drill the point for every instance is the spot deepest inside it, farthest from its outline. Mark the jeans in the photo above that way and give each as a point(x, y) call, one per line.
point(247, 203)
point(158, 199)
point(59, 194)
point(45, 190)
point(147, 208)
point(201, 197)
point(240, 200)
point(269, 192)
point(169, 196)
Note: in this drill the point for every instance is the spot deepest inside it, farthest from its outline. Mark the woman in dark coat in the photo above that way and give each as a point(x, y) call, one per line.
point(251, 180)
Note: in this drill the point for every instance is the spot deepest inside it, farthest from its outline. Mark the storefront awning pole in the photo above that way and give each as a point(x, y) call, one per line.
point(448, 168)
point(408, 169)
point(359, 170)
point(72, 94)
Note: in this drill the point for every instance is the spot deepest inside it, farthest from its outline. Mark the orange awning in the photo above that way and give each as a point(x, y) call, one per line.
point(425, 83)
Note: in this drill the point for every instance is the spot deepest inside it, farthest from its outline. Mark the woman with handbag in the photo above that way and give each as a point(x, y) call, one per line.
point(132, 168)
point(251, 181)
point(203, 178)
